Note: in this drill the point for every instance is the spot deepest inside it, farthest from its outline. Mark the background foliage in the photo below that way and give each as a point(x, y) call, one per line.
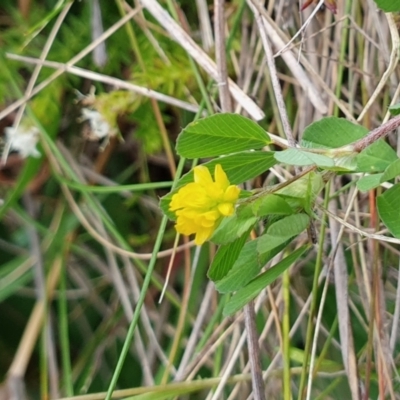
point(81, 225)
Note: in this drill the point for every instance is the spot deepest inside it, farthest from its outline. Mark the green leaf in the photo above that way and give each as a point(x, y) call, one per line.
point(271, 204)
point(388, 5)
point(246, 267)
point(30, 169)
point(238, 167)
point(376, 158)
point(220, 134)
point(252, 289)
point(303, 192)
point(369, 182)
point(302, 158)
point(395, 109)
point(372, 181)
point(176, 390)
point(234, 226)
point(225, 257)
point(331, 132)
point(310, 182)
point(392, 171)
point(345, 163)
point(282, 231)
point(14, 275)
point(299, 357)
point(389, 210)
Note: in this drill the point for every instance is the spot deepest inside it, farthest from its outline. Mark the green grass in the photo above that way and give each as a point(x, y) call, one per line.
point(85, 250)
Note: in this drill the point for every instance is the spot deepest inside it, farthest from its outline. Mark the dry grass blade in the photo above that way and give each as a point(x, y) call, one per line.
point(394, 56)
point(71, 62)
point(291, 61)
point(342, 296)
point(178, 34)
point(36, 72)
point(325, 328)
point(117, 83)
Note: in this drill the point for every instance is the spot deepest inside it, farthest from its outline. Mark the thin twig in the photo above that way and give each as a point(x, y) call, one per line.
point(376, 134)
point(396, 316)
point(95, 76)
point(123, 295)
point(220, 56)
point(36, 73)
point(182, 312)
point(191, 343)
point(230, 364)
point(99, 53)
point(254, 351)
point(33, 326)
point(180, 36)
point(274, 78)
point(297, 70)
point(393, 62)
point(93, 232)
point(303, 27)
point(70, 63)
point(40, 288)
point(342, 294)
point(205, 24)
point(252, 339)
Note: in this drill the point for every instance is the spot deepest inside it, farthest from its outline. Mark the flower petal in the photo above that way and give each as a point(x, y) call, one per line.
point(226, 209)
point(202, 235)
point(200, 206)
point(231, 194)
point(202, 175)
point(191, 195)
point(185, 226)
point(220, 177)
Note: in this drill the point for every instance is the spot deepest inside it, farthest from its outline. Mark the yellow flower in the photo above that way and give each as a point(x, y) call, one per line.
point(201, 205)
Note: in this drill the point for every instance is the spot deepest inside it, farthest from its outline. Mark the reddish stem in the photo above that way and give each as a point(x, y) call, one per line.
point(377, 134)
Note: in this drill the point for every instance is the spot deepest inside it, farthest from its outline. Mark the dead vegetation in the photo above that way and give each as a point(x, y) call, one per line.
point(81, 275)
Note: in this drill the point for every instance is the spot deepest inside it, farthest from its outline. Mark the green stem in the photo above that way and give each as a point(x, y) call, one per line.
point(314, 293)
point(327, 344)
point(136, 315)
point(143, 292)
point(235, 25)
point(63, 331)
point(285, 336)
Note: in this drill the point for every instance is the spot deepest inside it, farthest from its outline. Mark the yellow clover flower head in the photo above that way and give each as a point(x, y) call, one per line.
point(201, 205)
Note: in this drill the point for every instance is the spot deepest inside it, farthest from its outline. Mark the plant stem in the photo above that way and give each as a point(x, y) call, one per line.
point(313, 305)
point(254, 352)
point(220, 56)
point(135, 319)
point(286, 336)
point(274, 77)
point(376, 134)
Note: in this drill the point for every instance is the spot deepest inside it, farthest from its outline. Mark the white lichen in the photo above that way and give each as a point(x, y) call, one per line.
point(23, 140)
point(99, 127)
